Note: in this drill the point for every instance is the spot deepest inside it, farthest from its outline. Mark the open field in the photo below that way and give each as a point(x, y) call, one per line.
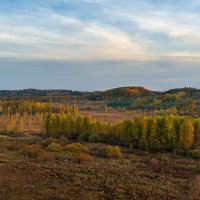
point(59, 175)
point(108, 116)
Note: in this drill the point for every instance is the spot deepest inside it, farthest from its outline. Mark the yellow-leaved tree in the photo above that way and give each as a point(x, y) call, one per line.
point(186, 137)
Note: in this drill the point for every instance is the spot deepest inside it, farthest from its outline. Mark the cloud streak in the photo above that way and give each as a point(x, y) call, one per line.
point(128, 42)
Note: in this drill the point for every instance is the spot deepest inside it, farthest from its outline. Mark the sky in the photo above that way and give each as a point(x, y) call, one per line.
point(99, 44)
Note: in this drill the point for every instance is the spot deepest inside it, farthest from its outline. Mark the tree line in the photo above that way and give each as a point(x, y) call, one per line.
point(32, 107)
point(146, 133)
point(29, 116)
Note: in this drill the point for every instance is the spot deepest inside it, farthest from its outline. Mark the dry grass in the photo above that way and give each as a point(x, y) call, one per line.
point(108, 116)
point(14, 146)
point(136, 176)
point(195, 186)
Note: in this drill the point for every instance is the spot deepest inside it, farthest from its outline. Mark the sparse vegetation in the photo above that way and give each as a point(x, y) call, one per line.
point(34, 151)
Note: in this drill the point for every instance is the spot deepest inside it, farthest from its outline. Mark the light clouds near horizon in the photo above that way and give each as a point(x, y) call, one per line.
point(99, 44)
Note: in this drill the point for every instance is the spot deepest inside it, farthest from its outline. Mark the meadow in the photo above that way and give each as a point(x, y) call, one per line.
point(33, 168)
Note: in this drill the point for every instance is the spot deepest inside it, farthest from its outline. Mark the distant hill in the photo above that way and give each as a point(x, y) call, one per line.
point(115, 93)
point(189, 92)
point(39, 93)
point(122, 92)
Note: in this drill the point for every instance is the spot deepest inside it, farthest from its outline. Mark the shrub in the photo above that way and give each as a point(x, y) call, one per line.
point(194, 153)
point(76, 148)
point(3, 138)
point(35, 151)
point(48, 141)
point(62, 141)
point(83, 157)
point(32, 151)
point(53, 147)
point(110, 152)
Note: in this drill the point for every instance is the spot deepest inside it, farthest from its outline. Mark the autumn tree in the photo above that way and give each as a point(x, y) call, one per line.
point(186, 134)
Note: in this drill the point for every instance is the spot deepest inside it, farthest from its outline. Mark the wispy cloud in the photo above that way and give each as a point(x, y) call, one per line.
point(116, 40)
point(68, 37)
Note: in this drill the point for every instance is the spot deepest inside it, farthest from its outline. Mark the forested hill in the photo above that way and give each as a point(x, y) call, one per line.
point(189, 92)
point(115, 93)
point(39, 93)
point(122, 92)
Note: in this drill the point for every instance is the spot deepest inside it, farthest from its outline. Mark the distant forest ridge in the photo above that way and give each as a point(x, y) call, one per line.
point(181, 101)
point(124, 92)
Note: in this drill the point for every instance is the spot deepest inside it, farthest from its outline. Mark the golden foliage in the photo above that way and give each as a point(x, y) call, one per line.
point(53, 147)
point(83, 157)
point(76, 148)
point(110, 152)
point(186, 134)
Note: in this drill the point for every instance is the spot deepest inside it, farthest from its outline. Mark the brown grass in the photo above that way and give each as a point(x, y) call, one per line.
point(14, 146)
point(146, 177)
point(108, 116)
point(195, 186)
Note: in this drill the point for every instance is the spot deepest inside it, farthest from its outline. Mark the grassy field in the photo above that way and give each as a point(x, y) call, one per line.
point(26, 174)
point(109, 116)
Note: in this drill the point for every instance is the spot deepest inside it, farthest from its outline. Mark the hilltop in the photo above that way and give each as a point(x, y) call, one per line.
point(120, 92)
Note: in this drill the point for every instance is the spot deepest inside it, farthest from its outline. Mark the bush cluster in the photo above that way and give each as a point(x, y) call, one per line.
point(110, 152)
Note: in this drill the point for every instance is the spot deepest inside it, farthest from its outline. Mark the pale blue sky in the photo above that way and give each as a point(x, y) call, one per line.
point(99, 44)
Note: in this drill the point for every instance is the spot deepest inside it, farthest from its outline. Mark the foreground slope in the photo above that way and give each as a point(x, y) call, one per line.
point(135, 176)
